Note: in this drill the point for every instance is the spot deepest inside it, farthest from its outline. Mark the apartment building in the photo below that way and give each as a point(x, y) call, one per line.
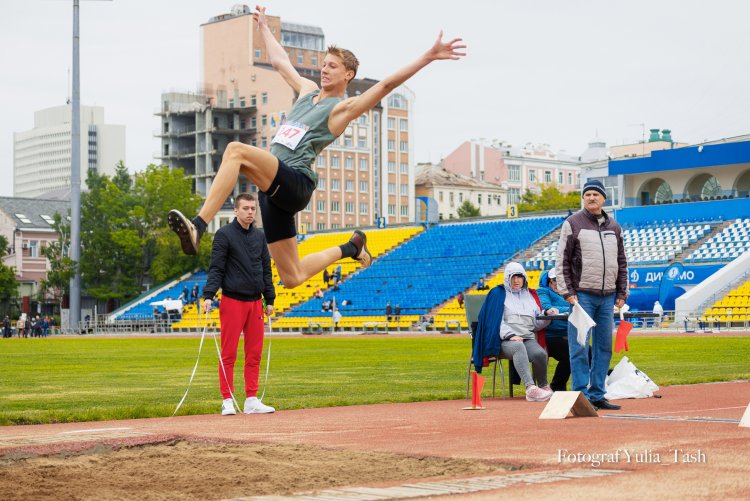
point(42, 155)
point(363, 175)
point(450, 190)
point(515, 169)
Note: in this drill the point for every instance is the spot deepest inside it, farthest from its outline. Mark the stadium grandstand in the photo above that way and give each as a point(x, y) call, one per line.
point(702, 232)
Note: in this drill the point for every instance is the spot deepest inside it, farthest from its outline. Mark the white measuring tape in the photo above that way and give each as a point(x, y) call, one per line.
point(223, 370)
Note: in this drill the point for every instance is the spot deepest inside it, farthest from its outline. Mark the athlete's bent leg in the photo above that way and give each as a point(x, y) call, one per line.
point(258, 165)
point(293, 271)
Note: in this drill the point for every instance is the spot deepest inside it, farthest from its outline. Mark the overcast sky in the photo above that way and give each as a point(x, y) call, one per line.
point(545, 71)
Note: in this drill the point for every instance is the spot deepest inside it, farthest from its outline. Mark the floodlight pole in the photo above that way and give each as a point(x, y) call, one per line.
point(75, 180)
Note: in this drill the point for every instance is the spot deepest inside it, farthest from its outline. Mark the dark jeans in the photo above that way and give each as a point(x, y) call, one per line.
point(557, 347)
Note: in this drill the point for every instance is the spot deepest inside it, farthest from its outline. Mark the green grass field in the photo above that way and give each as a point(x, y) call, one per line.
point(82, 379)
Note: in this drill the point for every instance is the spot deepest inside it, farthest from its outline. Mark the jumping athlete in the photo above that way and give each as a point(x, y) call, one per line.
point(285, 177)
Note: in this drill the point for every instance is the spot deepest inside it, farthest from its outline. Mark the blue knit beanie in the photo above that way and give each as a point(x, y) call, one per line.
point(594, 184)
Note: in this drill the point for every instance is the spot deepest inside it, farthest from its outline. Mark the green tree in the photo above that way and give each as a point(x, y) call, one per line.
point(549, 198)
point(125, 237)
point(62, 267)
point(467, 209)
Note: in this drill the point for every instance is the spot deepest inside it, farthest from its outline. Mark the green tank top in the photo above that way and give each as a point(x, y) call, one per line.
point(304, 133)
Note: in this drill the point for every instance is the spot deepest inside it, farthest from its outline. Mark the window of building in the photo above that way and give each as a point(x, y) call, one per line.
point(461, 197)
point(363, 208)
point(348, 141)
point(404, 145)
point(349, 163)
point(314, 60)
point(253, 122)
point(264, 98)
point(391, 145)
point(308, 208)
point(532, 175)
point(362, 120)
point(253, 100)
point(258, 53)
point(403, 125)
point(263, 120)
point(335, 184)
point(33, 248)
point(321, 161)
point(335, 206)
point(479, 199)
point(450, 198)
point(349, 185)
point(391, 209)
point(514, 173)
point(404, 189)
point(391, 167)
point(570, 178)
point(334, 161)
point(300, 58)
point(391, 188)
point(322, 183)
point(362, 142)
point(404, 210)
point(349, 207)
point(391, 123)
point(547, 176)
point(363, 164)
point(321, 205)
point(48, 219)
point(440, 196)
point(397, 101)
point(404, 168)
point(321, 226)
point(242, 101)
point(364, 186)
point(560, 177)
point(514, 196)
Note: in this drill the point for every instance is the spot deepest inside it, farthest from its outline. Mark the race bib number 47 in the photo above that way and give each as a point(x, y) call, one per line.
point(290, 134)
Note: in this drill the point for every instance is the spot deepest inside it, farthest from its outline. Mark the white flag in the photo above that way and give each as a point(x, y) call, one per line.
point(582, 322)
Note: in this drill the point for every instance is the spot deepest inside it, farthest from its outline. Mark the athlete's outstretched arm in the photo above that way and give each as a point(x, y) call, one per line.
point(353, 107)
point(279, 58)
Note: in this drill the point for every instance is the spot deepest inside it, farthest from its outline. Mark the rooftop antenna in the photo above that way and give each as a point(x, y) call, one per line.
point(643, 136)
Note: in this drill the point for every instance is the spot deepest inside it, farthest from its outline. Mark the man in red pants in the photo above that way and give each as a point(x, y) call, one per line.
point(241, 267)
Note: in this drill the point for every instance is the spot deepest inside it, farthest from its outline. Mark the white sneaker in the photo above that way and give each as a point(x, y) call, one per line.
point(227, 407)
point(255, 406)
point(536, 394)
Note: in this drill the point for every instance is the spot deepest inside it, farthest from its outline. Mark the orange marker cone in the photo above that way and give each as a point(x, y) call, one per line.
point(477, 383)
point(621, 341)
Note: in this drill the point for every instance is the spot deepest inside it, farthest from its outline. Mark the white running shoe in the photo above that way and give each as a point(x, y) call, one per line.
point(227, 407)
point(255, 406)
point(536, 394)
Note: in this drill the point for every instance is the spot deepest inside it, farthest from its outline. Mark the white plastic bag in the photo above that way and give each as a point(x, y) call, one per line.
point(626, 381)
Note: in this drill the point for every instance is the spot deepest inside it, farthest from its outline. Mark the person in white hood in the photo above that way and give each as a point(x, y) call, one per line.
point(518, 333)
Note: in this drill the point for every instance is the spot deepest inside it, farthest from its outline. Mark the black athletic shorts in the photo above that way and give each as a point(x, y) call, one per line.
point(289, 193)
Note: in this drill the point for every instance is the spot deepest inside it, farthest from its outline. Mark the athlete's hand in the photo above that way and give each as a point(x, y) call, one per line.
point(269, 310)
point(260, 15)
point(446, 50)
point(207, 304)
point(572, 300)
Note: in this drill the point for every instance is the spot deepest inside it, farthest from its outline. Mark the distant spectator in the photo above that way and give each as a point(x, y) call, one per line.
point(336, 320)
point(326, 277)
point(45, 326)
point(6, 326)
point(460, 299)
point(397, 313)
point(388, 311)
point(660, 310)
point(481, 285)
point(318, 294)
